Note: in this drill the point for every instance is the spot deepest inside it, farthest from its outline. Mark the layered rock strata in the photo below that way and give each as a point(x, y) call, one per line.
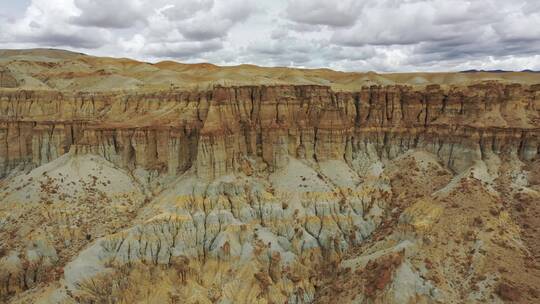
point(279, 194)
point(216, 130)
point(6, 79)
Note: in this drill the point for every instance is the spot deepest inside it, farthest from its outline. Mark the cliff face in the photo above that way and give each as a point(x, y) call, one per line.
point(7, 80)
point(271, 194)
point(215, 131)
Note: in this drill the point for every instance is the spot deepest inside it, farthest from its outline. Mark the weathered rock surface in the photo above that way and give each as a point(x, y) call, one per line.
point(6, 79)
point(270, 194)
point(218, 129)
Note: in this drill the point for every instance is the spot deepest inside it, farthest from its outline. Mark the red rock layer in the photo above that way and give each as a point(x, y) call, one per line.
point(216, 130)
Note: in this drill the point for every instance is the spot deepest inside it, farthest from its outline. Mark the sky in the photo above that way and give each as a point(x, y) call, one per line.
point(361, 35)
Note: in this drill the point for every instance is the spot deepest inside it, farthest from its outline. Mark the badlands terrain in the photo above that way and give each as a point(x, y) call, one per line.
point(130, 182)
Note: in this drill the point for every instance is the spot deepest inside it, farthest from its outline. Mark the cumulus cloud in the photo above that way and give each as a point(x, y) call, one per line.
point(322, 12)
point(45, 23)
point(388, 22)
point(174, 49)
point(185, 9)
point(190, 29)
point(437, 30)
point(382, 35)
point(108, 14)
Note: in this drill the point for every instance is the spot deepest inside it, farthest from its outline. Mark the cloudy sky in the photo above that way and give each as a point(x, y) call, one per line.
point(361, 35)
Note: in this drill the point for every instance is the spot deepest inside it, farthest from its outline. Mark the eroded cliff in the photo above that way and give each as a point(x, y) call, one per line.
point(216, 130)
point(270, 194)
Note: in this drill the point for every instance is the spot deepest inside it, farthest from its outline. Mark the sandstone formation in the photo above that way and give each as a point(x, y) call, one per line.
point(218, 129)
point(6, 79)
point(270, 194)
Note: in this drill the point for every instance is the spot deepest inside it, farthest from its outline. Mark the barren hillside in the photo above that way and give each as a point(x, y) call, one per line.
point(51, 69)
point(129, 182)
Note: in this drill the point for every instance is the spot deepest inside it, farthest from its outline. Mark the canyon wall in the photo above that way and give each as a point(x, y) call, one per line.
point(6, 79)
point(216, 132)
point(270, 194)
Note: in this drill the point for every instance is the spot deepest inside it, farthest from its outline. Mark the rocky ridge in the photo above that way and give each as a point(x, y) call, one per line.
point(60, 70)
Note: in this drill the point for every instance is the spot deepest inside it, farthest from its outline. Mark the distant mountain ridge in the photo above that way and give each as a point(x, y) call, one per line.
point(498, 71)
point(54, 69)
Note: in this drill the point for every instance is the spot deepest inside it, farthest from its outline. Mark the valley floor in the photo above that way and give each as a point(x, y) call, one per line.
point(407, 230)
